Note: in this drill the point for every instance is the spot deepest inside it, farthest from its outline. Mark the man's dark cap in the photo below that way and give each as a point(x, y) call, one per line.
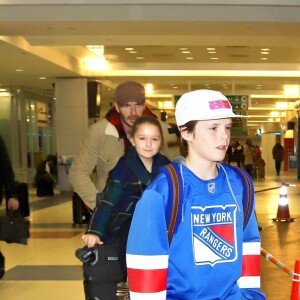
point(130, 91)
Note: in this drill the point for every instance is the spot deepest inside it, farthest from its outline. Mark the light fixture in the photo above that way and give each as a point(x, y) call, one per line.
point(285, 105)
point(274, 113)
point(96, 63)
point(165, 104)
point(149, 89)
point(96, 49)
point(291, 89)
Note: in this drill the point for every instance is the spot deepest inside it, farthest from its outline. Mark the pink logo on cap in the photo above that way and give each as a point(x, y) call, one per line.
point(218, 104)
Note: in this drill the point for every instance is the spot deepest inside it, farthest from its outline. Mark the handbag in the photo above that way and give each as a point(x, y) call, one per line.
point(14, 228)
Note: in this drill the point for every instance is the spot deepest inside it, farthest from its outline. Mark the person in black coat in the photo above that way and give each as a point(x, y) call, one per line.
point(45, 177)
point(278, 155)
point(7, 184)
point(7, 178)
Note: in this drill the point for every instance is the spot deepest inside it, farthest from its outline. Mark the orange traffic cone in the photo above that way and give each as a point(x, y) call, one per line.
point(296, 282)
point(283, 211)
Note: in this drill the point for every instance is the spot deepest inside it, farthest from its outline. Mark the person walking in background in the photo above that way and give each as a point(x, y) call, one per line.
point(46, 176)
point(7, 178)
point(261, 165)
point(248, 157)
point(278, 155)
point(239, 154)
point(230, 153)
point(108, 139)
point(7, 184)
point(126, 181)
point(211, 255)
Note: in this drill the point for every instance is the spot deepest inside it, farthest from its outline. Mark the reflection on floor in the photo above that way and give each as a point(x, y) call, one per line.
point(47, 268)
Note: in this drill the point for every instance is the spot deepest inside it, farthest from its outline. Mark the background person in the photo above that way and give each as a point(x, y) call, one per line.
point(239, 154)
point(205, 259)
point(126, 182)
point(46, 176)
point(278, 155)
point(248, 157)
point(7, 184)
point(108, 139)
point(7, 178)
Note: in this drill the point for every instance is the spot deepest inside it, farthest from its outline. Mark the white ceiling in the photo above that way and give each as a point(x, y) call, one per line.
point(50, 40)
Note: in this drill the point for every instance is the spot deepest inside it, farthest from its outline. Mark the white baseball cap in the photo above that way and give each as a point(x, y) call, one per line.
point(203, 105)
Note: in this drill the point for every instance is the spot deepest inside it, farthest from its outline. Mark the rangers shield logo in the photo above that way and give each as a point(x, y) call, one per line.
point(214, 234)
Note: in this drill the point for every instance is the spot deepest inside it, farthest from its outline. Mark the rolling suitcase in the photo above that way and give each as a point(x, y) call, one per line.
point(2, 265)
point(23, 197)
point(81, 213)
point(101, 271)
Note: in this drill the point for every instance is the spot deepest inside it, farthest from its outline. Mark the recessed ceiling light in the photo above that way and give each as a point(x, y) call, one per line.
point(210, 49)
point(96, 49)
point(189, 57)
point(263, 58)
point(185, 52)
point(265, 49)
point(212, 52)
point(264, 52)
point(140, 57)
point(129, 49)
point(132, 52)
point(42, 78)
point(19, 70)
point(214, 58)
point(183, 49)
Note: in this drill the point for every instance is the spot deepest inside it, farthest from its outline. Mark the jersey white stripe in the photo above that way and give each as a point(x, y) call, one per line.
point(148, 296)
point(251, 248)
point(147, 262)
point(248, 282)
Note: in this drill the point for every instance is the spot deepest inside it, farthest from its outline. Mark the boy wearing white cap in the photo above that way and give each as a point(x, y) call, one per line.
point(212, 255)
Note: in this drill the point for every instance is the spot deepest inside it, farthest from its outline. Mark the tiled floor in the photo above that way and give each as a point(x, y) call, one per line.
point(47, 268)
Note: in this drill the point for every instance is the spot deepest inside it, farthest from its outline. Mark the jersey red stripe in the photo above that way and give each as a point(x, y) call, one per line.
point(156, 280)
point(251, 265)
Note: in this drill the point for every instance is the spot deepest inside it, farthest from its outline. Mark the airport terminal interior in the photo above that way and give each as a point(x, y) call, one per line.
point(60, 64)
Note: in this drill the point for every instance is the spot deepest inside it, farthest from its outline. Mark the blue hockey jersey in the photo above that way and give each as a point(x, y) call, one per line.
point(211, 255)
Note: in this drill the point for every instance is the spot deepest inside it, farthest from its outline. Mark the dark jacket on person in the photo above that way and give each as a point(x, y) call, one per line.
point(125, 185)
point(278, 152)
point(7, 179)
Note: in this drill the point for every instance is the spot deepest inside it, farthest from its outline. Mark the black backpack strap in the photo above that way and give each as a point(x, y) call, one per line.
point(173, 204)
point(248, 193)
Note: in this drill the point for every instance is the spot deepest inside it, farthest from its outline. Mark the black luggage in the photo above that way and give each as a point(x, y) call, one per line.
point(101, 271)
point(81, 213)
point(23, 197)
point(2, 265)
